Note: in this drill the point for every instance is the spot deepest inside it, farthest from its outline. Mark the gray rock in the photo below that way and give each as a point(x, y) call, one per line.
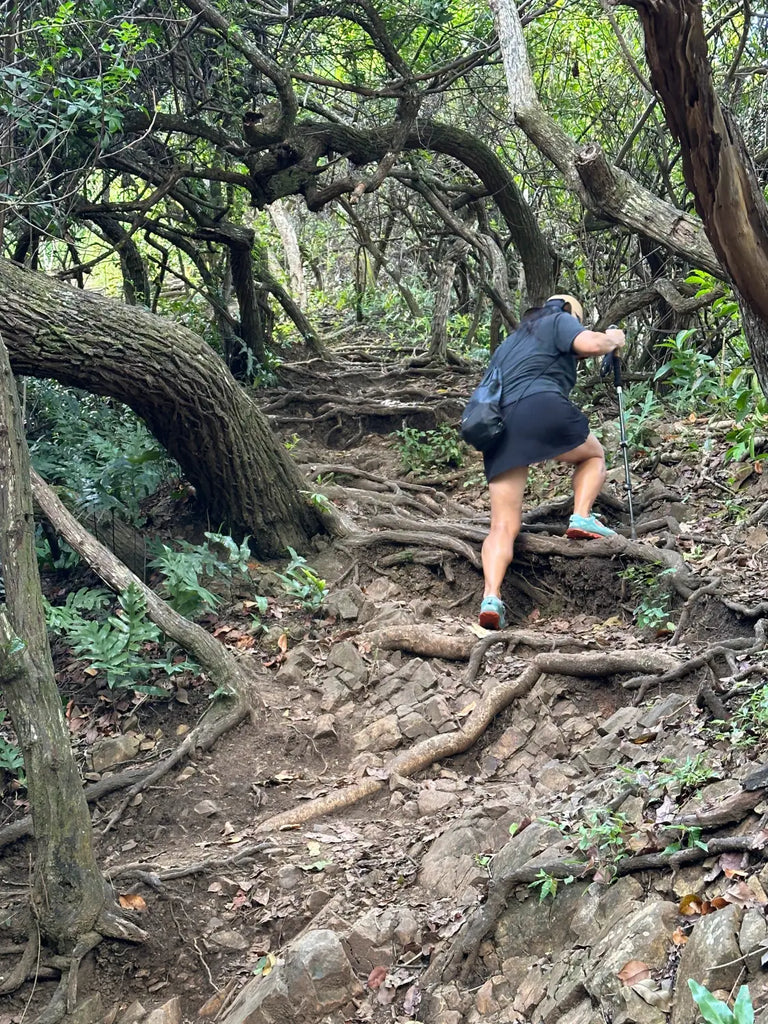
point(710, 796)
point(565, 990)
point(346, 657)
point(168, 1013)
point(314, 979)
point(620, 722)
point(752, 938)
point(135, 1012)
point(334, 692)
point(325, 728)
point(297, 665)
point(450, 868)
point(114, 750)
point(345, 603)
point(90, 1011)
point(369, 943)
point(434, 801)
point(383, 734)
point(436, 710)
point(526, 845)
point(712, 957)
point(601, 908)
point(643, 935)
point(528, 927)
point(415, 726)
point(228, 938)
point(667, 709)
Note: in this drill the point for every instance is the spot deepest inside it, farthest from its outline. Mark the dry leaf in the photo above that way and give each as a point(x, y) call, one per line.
point(376, 977)
point(679, 938)
point(690, 904)
point(132, 901)
point(282, 642)
point(634, 971)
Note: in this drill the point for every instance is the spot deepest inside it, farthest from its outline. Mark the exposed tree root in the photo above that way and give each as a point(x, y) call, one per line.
point(428, 751)
point(724, 649)
point(154, 875)
point(24, 965)
point(459, 958)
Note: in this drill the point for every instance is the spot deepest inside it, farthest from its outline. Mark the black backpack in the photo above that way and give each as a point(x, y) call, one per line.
point(482, 423)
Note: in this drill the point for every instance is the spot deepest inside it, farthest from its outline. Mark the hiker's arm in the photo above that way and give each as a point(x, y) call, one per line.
point(597, 343)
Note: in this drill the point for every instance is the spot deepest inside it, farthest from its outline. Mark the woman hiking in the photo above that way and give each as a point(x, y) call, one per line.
point(538, 367)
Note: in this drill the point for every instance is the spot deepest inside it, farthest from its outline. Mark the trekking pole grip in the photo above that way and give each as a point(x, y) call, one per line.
point(615, 360)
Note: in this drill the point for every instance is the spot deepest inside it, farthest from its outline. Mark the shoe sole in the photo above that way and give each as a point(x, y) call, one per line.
point(574, 533)
point(490, 620)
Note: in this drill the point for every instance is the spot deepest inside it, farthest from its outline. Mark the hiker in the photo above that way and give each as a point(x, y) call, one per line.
point(538, 367)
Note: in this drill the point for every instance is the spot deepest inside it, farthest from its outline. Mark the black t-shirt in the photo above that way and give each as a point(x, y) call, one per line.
point(538, 357)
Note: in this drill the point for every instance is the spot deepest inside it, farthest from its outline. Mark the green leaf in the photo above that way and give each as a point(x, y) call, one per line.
point(714, 1011)
point(743, 1012)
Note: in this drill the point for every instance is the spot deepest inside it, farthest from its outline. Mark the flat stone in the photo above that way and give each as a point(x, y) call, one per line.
point(433, 801)
point(383, 734)
point(132, 1014)
point(415, 726)
point(436, 710)
point(752, 938)
point(114, 750)
point(667, 709)
point(296, 667)
point(620, 722)
point(89, 1011)
point(228, 938)
point(325, 728)
point(345, 603)
point(602, 908)
point(449, 868)
point(368, 942)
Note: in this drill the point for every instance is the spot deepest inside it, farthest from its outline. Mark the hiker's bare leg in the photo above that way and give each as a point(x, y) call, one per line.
point(507, 490)
point(588, 461)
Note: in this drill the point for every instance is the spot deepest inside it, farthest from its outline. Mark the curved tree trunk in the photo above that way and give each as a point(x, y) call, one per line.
point(68, 891)
point(181, 390)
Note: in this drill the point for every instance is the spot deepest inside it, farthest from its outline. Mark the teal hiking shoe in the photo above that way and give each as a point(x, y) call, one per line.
point(587, 528)
point(492, 613)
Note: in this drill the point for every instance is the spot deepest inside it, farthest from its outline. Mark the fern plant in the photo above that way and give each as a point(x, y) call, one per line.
point(112, 646)
point(185, 567)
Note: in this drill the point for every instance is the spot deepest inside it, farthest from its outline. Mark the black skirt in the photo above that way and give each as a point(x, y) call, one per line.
point(538, 427)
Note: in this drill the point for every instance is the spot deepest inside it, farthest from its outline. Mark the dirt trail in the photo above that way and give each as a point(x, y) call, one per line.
point(392, 701)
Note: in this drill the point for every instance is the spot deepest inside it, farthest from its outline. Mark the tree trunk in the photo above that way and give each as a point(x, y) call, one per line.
point(603, 189)
point(438, 338)
point(68, 891)
point(717, 167)
point(285, 228)
point(181, 390)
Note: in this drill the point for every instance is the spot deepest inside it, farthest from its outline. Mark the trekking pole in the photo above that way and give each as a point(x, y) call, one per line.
point(611, 360)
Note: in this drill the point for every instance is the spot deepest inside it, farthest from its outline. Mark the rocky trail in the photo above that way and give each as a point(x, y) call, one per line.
point(418, 820)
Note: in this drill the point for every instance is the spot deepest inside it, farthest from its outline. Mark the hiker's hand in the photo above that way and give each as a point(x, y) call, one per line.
point(615, 339)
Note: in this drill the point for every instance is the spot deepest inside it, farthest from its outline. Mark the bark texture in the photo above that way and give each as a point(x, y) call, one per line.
point(181, 390)
point(717, 166)
point(68, 891)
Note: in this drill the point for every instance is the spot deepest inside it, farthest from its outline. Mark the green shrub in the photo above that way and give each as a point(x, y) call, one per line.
point(425, 451)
